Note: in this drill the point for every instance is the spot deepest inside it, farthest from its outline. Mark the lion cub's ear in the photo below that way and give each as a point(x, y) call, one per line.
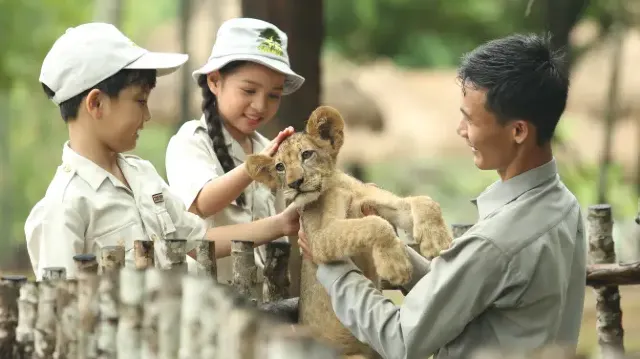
point(260, 168)
point(327, 125)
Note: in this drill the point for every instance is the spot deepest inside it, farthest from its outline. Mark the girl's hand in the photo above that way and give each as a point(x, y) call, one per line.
point(273, 146)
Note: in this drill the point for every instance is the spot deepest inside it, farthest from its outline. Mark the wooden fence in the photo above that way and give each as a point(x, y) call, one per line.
point(142, 311)
point(113, 311)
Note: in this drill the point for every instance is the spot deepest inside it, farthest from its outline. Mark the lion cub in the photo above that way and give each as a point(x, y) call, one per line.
point(304, 168)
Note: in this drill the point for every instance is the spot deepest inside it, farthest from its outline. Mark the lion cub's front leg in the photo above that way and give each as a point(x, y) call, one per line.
point(419, 215)
point(343, 238)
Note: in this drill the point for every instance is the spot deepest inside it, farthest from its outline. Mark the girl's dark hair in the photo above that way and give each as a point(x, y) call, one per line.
point(214, 123)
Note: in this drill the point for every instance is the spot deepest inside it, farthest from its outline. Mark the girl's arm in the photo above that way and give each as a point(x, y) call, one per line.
point(219, 192)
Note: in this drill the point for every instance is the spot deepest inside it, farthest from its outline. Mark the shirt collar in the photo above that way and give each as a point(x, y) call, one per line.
point(93, 174)
point(501, 193)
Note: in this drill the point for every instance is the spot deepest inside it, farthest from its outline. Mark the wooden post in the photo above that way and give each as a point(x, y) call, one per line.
point(458, 230)
point(131, 309)
point(245, 271)
point(53, 273)
point(206, 257)
point(169, 297)
point(108, 287)
point(601, 250)
point(9, 294)
point(67, 316)
point(239, 336)
point(111, 258)
point(215, 306)
point(295, 342)
point(27, 313)
point(149, 331)
point(276, 279)
point(86, 263)
point(143, 254)
point(45, 330)
point(176, 254)
point(88, 312)
point(194, 292)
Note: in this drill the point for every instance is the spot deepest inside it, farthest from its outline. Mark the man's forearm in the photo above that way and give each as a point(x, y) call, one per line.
point(421, 267)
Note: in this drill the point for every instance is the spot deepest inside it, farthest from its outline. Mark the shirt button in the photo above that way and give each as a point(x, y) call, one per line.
point(154, 237)
point(66, 168)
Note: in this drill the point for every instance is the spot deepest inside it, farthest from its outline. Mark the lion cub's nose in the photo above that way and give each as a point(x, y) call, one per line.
point(296, 184)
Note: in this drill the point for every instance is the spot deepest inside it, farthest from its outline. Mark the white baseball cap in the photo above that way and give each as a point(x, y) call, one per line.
point(89, 53)
point(252, 40)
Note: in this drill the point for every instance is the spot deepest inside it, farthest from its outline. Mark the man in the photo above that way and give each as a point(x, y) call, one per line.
point(515, 280)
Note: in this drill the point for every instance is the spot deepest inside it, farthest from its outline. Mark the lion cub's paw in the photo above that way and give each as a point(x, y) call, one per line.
point(392, 263)
point(429, 228)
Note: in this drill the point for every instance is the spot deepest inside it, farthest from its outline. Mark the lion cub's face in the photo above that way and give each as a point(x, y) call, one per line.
point(304, 161)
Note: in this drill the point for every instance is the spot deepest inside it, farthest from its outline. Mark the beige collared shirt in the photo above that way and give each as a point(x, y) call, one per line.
point(86, 208)
point(191, 163)
point(515, 280)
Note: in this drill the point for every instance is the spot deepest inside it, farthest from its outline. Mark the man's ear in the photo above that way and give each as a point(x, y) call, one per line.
point(261, 169)
point(326, 125)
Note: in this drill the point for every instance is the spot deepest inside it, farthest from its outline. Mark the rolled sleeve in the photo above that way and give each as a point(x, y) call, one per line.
point(189, 167)
point(54, 235)
point(462, 282)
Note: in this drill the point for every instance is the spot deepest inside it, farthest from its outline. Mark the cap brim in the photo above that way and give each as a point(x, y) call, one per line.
point(292, 82)
point(164, 62)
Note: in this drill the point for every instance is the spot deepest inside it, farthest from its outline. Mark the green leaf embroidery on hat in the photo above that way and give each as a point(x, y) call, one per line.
point(271, 42)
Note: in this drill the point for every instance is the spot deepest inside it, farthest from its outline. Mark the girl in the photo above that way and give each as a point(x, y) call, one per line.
point(242, 84)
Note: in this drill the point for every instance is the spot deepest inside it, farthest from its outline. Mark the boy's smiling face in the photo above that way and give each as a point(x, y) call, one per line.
point(117, 121)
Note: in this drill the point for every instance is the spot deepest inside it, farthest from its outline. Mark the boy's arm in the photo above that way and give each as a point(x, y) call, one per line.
point(54, 235)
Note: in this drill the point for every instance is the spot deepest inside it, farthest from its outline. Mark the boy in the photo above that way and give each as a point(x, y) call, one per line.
point(99, 197)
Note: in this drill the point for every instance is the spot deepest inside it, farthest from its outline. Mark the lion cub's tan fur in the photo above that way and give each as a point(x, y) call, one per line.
point(332, 202)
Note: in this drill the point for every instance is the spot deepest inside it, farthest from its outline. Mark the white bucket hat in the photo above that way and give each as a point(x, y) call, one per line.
point(90, 53)
point(252, 40)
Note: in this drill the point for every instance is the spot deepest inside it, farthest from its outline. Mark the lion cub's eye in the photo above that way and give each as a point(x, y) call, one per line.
point(280, 167)
point(306, 154)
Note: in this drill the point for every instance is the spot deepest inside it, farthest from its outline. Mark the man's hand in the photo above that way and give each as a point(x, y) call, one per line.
point(302, 238)
point(273, 146)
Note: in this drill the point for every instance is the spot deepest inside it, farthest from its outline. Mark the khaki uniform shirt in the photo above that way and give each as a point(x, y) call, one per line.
point(191, 163)
point(86, 208)
point(516, 280)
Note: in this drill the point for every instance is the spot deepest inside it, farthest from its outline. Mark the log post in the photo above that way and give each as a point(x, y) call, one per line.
point(131, 309)
point(458, 229)
point(276, 279)
point(245, 271)
point(149, 331)
point(108, 287)
point(176, 254)
point(88, 313)
point(67, 316)
point(9, 294)
point(215, 307)
point(169, 297)
point(86, 263)
point(206, 257)
point(45, 329)
point(27, 313)
point(111, 258)
point(295, 342)
point(239, 337)
point(601, 250)
point(143, 254)
point(194, 292)
point(54, 273)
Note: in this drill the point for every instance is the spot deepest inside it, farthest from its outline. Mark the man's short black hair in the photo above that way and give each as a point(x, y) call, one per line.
point(524, 79)
point(111, 86)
